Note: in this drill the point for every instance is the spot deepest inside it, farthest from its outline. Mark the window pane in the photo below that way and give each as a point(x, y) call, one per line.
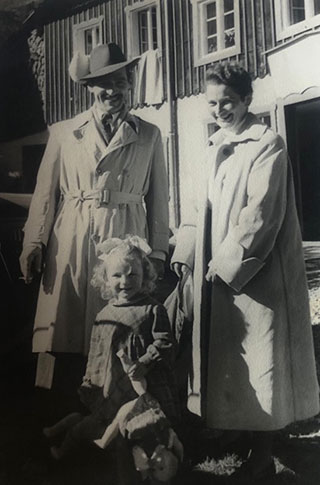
point(212, 27)
point(316, 6)
point(265, 118)
point(212, 128)
point(154, 28)
point(142, 19)
point(97, 36)
point(211, 10)
point(143, 31)
point(229, 21)
point(228, 5)
point(88, 45)
point(229, 38)
point(212, 44)
point(297, 11)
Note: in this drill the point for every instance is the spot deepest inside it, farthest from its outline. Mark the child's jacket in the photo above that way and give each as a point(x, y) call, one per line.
point(142, 329)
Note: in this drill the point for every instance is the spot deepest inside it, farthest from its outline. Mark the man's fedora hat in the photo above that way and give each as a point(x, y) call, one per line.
point(104, 59)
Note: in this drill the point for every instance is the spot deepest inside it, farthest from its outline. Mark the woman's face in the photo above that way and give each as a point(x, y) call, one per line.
point(125, 277)
point(226, 106)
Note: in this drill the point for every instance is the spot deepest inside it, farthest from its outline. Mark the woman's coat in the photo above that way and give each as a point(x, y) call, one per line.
point(253, 356)
point(86, 192)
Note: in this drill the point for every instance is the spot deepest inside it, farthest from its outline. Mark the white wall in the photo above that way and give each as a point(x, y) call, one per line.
point(192, 113)
point(157, 116)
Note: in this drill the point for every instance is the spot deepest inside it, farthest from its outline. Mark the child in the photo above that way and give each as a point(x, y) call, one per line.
point(131, 324)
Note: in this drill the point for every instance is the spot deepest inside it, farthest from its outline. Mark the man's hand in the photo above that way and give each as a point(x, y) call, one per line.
point(158, 265)
point(30, 262)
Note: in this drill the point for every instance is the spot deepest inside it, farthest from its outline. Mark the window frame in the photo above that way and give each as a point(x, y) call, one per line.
point(199, 39)
point(78, 31)
point(131, 12)
point(284, 29)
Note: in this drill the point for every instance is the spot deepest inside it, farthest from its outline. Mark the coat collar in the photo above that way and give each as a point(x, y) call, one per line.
point(86, 131)
point(253, 129)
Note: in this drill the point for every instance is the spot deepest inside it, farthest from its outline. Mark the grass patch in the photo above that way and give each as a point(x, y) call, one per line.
point(223, 466)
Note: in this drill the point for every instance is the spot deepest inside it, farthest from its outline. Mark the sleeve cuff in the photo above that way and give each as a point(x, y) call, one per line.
point(230, 266)
point(158, 255)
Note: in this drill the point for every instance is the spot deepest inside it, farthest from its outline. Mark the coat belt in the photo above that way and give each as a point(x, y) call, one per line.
point(104, 197)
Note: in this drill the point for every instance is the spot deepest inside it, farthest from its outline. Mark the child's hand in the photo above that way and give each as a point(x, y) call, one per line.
point(137, 370)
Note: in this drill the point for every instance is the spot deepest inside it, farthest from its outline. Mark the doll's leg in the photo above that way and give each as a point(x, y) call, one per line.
point(82, 433)
point(63, 425)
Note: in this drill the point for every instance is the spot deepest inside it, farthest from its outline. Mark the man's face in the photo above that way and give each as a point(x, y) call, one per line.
point(111, 91)
point(226, 107)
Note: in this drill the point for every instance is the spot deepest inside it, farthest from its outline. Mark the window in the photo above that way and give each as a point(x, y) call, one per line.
point(88, 35)
point(211, 128)
point(295, 16)
point(144, 29)
point(216, 30)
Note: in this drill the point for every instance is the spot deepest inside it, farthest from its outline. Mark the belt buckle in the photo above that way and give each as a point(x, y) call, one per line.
point(104, 196)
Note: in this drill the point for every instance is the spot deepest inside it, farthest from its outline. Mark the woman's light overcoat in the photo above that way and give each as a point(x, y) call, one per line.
point(87, 191)
point(253, 356)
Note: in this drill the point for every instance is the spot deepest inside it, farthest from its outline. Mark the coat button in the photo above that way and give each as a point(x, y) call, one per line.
point(99, 171)
point(95, 238)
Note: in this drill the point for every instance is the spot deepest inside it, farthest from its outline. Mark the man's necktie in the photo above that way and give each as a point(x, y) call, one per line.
point(107, 127)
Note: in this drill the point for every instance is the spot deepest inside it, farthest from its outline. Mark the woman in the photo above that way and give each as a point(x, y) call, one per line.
point(253, 357)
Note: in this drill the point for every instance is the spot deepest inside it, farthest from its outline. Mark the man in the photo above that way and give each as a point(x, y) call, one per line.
point(102, 175)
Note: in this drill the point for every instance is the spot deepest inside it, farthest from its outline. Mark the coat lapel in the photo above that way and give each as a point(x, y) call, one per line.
point(89, 136)
point(125, 135)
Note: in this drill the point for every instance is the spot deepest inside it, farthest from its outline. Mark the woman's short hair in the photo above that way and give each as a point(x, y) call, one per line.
point(232, 75)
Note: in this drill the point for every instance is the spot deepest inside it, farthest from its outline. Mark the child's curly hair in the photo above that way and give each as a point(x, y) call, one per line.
point(132, 248)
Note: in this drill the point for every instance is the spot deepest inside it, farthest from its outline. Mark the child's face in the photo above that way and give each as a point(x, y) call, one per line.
point(125, 277)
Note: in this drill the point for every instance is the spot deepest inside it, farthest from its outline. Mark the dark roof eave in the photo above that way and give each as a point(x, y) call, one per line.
point(51, 10)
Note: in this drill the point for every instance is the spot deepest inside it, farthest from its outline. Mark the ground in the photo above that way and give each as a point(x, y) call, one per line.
point(25, 410)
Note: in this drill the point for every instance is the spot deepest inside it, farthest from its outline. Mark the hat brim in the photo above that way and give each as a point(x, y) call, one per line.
point(107, 70)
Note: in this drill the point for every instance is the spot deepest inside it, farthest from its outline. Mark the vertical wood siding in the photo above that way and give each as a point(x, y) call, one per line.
point(65, 99)
point(257, 35)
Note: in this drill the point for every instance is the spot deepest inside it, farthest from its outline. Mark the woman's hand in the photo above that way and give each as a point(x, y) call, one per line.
point(180, 269)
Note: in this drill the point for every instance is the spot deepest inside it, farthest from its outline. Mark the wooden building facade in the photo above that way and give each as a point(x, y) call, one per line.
point(277, 41)
point(65, 99)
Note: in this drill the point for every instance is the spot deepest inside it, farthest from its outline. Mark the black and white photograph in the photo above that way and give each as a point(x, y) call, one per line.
point(160, 242)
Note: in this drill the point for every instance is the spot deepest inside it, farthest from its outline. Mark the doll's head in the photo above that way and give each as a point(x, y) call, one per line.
point(125, 270)
point(162, 465)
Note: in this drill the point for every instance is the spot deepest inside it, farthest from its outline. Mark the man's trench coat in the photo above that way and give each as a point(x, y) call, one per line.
point(253, 356)
point(86, 192)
